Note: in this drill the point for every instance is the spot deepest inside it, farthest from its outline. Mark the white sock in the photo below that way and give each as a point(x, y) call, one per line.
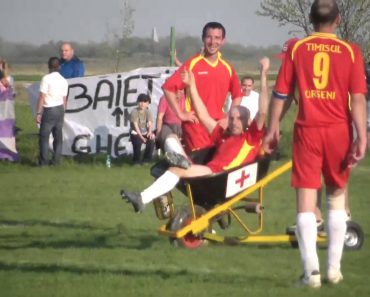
point(307, 234)
point(172, 145)
point(337, 228)
point(165, 183)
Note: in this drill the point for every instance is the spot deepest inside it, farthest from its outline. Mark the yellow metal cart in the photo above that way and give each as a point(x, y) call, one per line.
point(223, 198)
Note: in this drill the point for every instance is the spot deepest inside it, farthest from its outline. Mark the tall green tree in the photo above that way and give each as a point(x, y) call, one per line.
point(355, 18)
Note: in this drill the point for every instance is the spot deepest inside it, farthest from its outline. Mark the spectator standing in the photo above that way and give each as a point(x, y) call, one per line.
point(250, 96)
point(214, 78)
point(325, 69)
point(141, 120)
point(8, 149)
point(50, 112)
point(71, 66)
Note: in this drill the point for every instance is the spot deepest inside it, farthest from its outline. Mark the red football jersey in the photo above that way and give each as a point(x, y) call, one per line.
point(325, 70)
point(214, 82)
point(235, 150)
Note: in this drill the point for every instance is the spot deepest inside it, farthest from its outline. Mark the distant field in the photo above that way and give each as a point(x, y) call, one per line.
point(34, 71)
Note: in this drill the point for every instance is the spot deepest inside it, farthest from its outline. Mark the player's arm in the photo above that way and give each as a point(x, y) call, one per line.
point(358, 112)
point(135, 125)
point(235, 102)
point(39, 108)
point(263, 96)
point(200, 109)
point(160, 116)
point(275, 114)
point(172, 102)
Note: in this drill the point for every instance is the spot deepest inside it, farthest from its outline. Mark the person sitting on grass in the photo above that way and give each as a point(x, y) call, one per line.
point(239, 144)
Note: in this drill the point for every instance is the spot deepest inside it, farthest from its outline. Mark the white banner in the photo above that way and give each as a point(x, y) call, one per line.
point(97, 115)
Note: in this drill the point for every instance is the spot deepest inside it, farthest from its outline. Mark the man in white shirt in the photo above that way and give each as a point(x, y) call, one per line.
point(251, 98)
point(50, 112)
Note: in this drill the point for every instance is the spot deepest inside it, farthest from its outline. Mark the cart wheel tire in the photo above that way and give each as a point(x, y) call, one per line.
point(354, 238)
point(182, 218)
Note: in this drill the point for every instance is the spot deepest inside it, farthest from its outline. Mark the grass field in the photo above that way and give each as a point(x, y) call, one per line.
point(64, 231)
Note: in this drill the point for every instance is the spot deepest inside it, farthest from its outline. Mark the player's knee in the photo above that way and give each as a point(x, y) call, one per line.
point(336, 201)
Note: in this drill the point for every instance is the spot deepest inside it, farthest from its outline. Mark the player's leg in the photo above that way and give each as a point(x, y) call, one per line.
point(306, 178)
point(336, 174)
point(164, 184)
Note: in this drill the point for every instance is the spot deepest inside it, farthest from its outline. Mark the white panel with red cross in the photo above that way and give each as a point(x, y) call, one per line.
point(241, 179)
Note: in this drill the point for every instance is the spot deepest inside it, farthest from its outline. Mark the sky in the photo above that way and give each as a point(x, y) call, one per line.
point(40, 21)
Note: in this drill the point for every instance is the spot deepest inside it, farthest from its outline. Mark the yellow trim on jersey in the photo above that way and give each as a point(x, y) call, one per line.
point(243, 153)
point(323, 35)
point(188, 103)
point(192, 65)
point(195, 61)
point(349, 101)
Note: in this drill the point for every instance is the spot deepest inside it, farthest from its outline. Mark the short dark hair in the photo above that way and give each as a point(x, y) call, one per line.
point(143, 98)
point(54, 63)
point(213, 25)
point(324, 12)
point(247, 77)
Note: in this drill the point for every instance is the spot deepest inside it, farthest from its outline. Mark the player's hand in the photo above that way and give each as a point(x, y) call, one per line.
point(357, 153)
point(151, 135)
point(270, 141)
point(189, 117)
point(265, 64)
point(223, 123)
point(187, 77)
point(38, 118)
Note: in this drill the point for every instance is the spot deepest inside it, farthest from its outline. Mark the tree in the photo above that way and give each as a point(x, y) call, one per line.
point(127, 28)
point(355, 18)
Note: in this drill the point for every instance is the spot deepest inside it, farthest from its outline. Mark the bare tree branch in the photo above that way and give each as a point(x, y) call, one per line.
point(355, 18)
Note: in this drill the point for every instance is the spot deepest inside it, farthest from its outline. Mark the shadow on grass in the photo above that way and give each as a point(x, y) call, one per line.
point(192, 273)
point(76, 236)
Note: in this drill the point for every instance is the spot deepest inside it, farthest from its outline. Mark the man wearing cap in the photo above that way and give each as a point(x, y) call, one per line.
point(325, 69)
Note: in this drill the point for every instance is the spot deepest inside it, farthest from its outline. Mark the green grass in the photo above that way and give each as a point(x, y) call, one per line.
point(64, 231)
point(27, 77)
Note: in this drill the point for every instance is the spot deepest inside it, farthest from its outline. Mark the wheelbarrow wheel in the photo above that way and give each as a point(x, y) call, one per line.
point(354, 237)
point(182, 218)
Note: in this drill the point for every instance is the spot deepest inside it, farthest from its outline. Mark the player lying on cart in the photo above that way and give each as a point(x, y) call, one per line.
point(239, 144)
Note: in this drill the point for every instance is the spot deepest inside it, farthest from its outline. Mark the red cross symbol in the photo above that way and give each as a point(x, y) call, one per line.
point(242, 179)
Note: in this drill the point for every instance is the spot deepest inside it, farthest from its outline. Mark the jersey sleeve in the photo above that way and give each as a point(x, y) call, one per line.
point(284, 84)
point(174, 82)
point(255, 135)
point(217, 134)
point(358, 79)
point(235, 87)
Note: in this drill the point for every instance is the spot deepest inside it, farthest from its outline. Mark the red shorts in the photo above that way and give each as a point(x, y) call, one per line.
point(195, 136)
point(321, 150)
